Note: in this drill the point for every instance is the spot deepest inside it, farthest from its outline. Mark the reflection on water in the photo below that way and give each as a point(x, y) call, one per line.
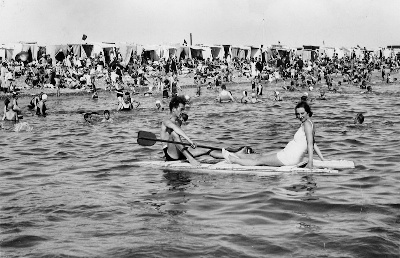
point(69, 188)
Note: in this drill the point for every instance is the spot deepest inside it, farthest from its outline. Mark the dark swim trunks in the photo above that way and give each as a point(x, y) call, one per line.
point(169, 158)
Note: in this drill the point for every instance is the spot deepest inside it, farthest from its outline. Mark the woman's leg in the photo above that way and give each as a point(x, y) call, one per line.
point(269, 159)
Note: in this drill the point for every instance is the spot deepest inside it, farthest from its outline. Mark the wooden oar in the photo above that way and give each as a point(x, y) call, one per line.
point(149, 139)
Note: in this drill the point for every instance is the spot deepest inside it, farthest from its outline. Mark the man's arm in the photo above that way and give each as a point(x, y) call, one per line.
point(169, 124)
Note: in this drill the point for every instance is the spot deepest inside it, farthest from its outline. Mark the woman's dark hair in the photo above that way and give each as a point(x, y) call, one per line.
point(175, 101)
point(305, 106)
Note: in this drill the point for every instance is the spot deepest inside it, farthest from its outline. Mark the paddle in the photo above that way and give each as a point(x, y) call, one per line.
point(149, 139)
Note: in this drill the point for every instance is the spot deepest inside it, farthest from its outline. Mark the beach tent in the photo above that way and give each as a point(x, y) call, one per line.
point(182, 52)
point(310, 52)
point(126, 50)
point(81, 50)
point(217, 52)
point(387, 53)
point(168, 51)
point(207, 52)
point(241, 52)
point(227, 51)
point(327, 51)
point(152, 52)
point(57, 52)
point(196, 52)
point(6, 51)
point(255, 52)
point(23, 51)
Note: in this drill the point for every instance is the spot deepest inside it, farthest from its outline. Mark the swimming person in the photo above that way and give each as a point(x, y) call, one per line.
point(304, 97)
point(35, 100)
point(9, 113)
point(41, 106)
point(322, 95)
point(254, 98)
point(126, 103)
point(88, 118)
point(359, 118)
point(224, 95)
point(245, 98)
point(159, 106)
point(277, 97)
point(107, 118)
point(294, 151)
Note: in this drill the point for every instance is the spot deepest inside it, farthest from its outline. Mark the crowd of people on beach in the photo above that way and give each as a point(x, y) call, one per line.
point(163, 76)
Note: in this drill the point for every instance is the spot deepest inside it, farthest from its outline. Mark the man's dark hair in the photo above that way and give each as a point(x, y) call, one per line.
point(175, 101)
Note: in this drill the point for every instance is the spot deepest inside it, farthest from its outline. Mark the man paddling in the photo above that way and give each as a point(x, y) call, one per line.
point(171, 131)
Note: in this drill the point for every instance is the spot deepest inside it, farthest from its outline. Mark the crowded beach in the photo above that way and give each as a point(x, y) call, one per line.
point(38, 73)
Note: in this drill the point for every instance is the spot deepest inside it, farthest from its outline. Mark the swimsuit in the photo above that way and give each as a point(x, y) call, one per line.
point(294, 151)
point(169, 158)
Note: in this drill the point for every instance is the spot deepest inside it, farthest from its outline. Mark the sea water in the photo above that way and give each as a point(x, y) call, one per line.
point(70, 189)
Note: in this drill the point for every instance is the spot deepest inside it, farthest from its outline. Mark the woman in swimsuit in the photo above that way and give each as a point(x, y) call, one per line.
point(294, 151)
point(9, 113)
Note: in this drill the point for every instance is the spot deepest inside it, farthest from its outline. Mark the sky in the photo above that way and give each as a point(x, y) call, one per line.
point(335, 23)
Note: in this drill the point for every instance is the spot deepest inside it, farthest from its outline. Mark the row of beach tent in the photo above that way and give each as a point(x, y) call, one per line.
point(28, 51)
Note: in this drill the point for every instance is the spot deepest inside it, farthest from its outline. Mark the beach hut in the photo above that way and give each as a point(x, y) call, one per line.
point(168, 51)
point(196, 52)
point(395, 50)
point(327, 52)
point(126, 50)
point(57, 52)
point(217, 52)
point(6, 52)
point(152, 52)
point(310, 52)
point(22, 51)
point(255, 52)
point(182, 51)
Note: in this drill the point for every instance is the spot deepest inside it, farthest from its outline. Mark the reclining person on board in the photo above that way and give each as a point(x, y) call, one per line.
point(171, 131)
point(294, 151)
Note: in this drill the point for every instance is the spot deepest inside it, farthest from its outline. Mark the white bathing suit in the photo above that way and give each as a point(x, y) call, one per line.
point(294, 151)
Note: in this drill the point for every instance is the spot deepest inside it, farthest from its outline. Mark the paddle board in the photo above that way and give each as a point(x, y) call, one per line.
point(225, 168)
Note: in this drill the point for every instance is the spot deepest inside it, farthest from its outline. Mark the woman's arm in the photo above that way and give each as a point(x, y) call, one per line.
point(318, 152)
point(310, 143)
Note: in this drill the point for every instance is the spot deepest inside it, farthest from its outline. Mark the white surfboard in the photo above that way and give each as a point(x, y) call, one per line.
point(225, 168)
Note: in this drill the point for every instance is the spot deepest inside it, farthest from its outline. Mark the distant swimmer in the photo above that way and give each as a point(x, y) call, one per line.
point(9, 113)
point(224, 95)
point(277, 96)
point(322, 95)
point(259, 89)
point(159, 105)
point(126, 103)
point(107, 117)
point(198, 91)
point(95, 95)
point(359, 118)
point(245, 98)
point(304, 97)
point(88, 118)
point(41, 106)
point(35, 100)
point(254, 98)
